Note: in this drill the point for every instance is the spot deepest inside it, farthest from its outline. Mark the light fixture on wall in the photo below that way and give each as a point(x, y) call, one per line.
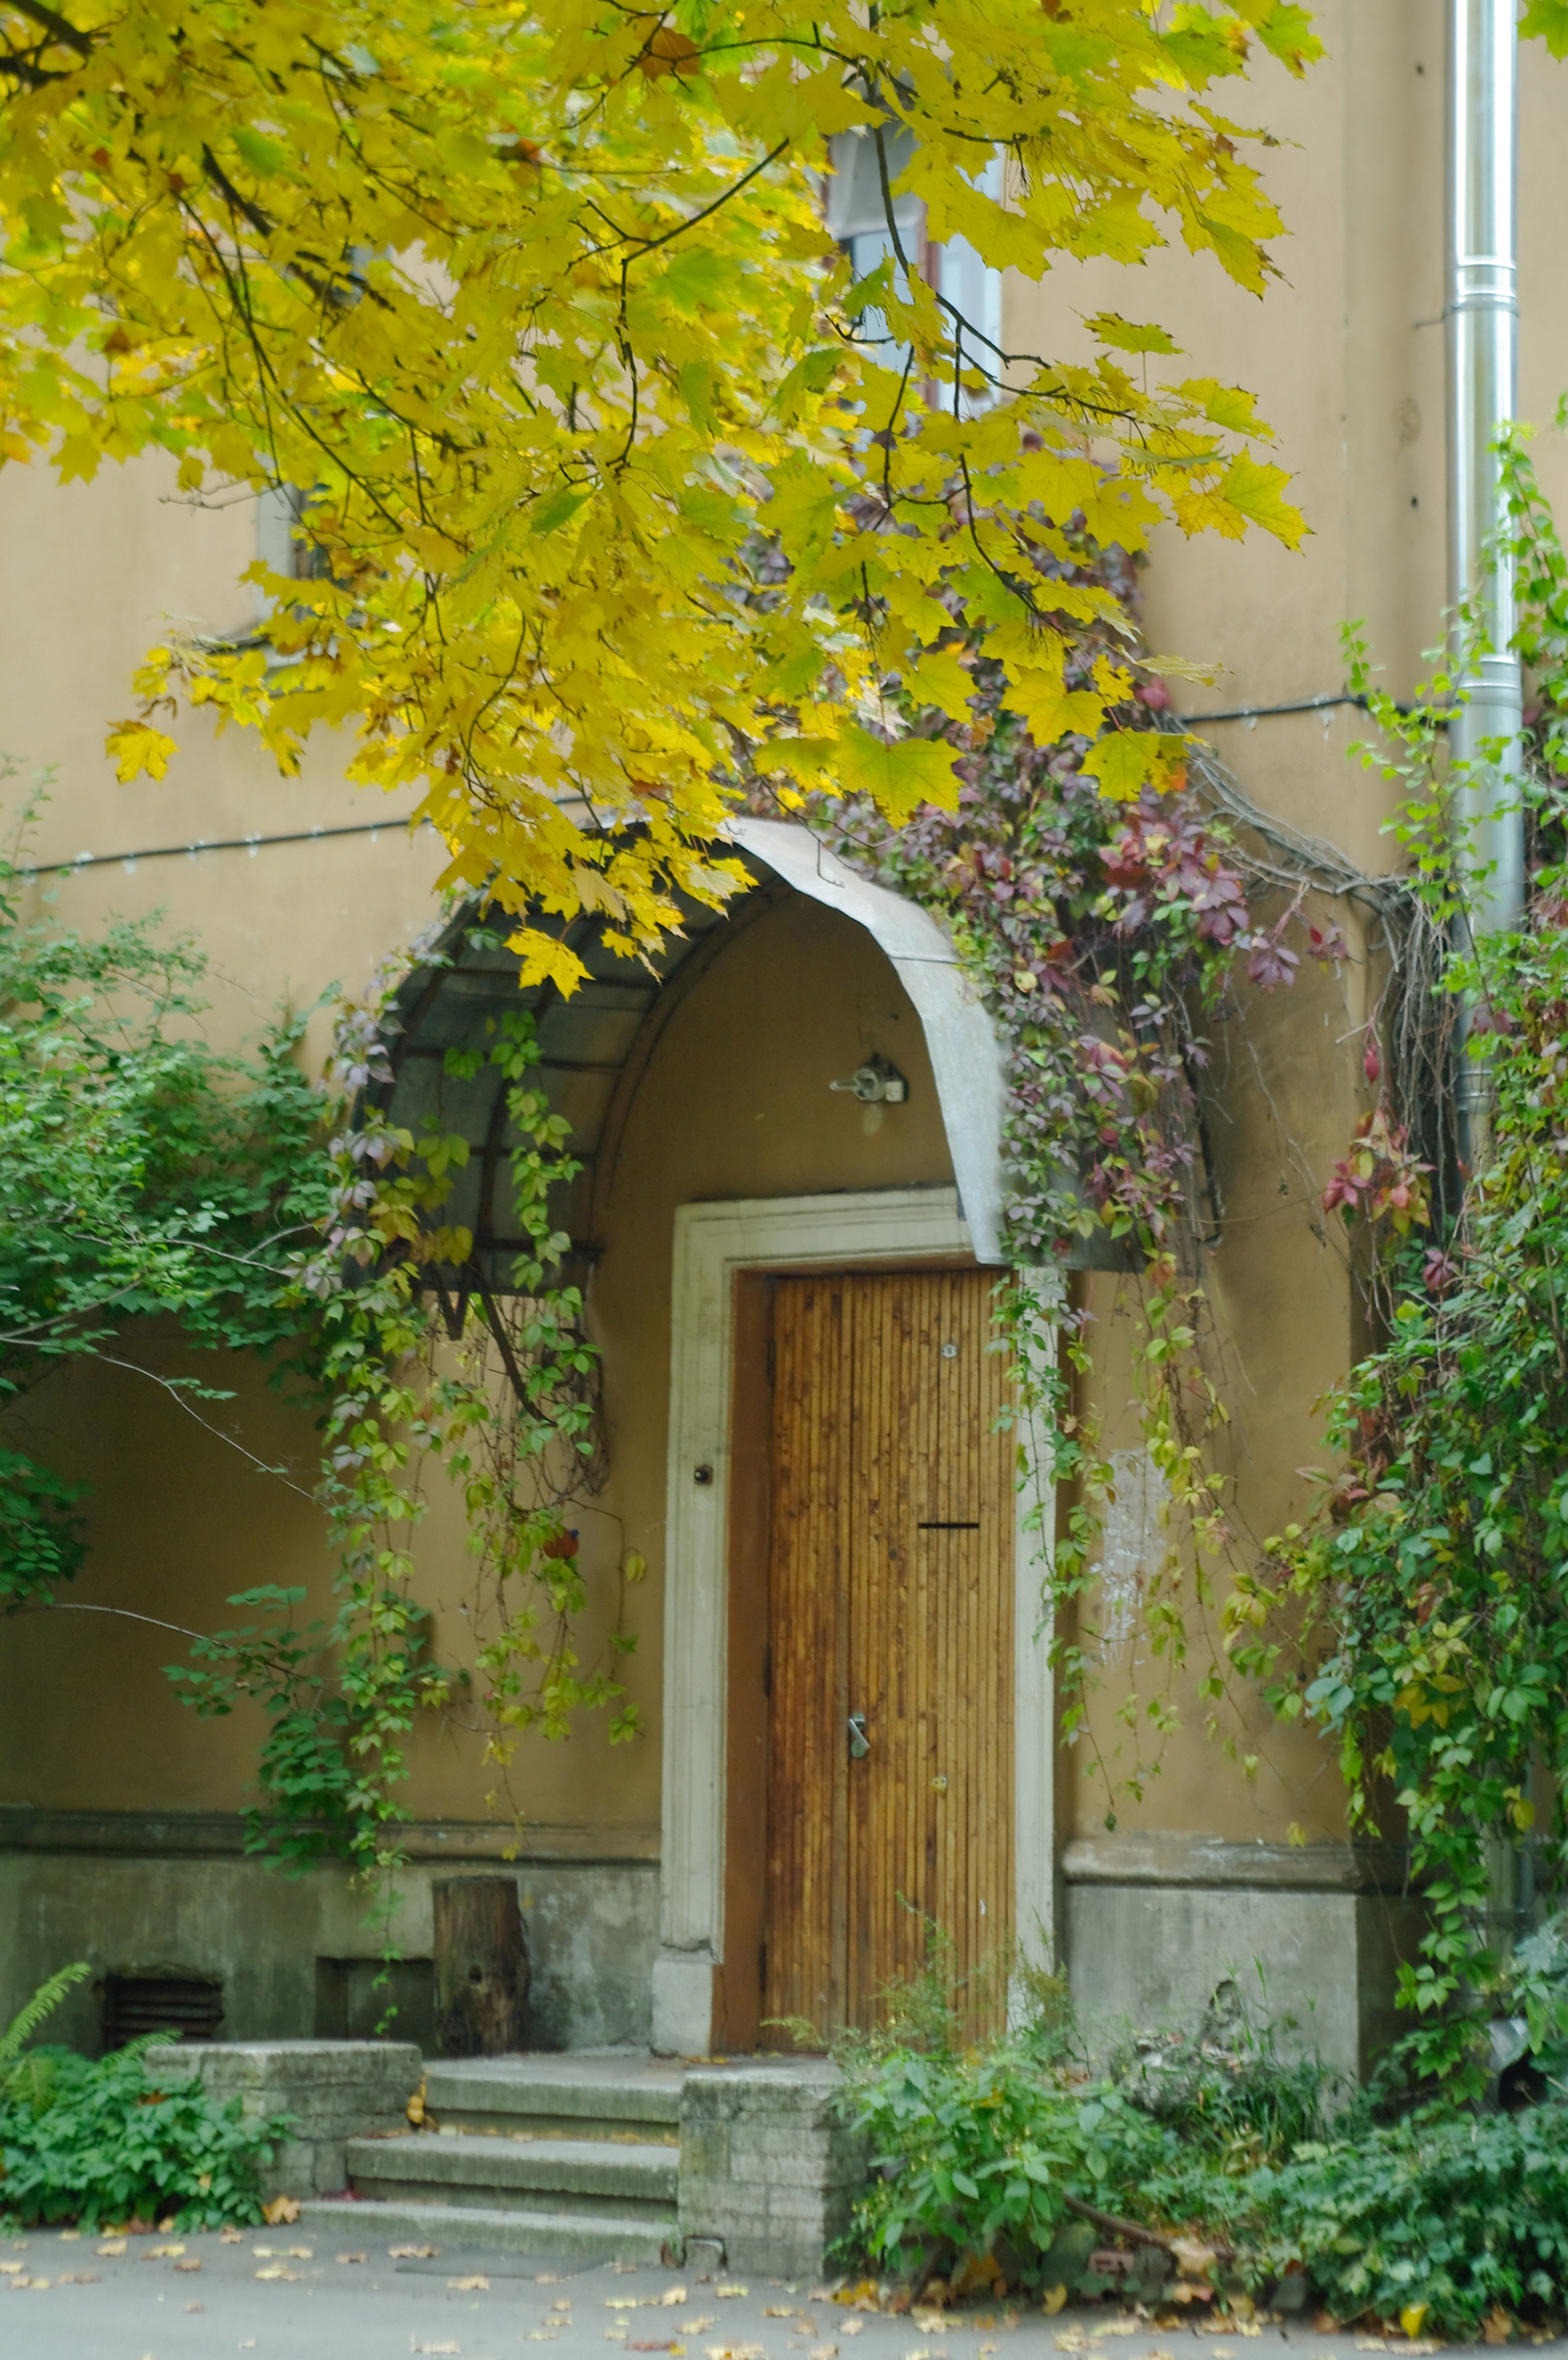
point(876, 1083)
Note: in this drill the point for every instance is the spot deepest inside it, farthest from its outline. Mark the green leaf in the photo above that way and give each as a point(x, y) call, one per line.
point(1547, 21)
point(556, 509)
point(264, 155)
point(1127, 335)
point(899, 777)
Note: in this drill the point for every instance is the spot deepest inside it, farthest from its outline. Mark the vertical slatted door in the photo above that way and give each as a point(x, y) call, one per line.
point(804, 1907)
point(891, 1596)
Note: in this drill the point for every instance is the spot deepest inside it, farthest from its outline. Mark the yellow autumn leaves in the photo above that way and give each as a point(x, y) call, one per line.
point(617, 494)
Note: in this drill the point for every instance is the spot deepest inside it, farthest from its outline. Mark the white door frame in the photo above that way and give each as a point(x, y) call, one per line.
point(714, 1244)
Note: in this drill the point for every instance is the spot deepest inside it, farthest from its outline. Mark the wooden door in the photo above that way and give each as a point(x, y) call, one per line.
point(891, 1587)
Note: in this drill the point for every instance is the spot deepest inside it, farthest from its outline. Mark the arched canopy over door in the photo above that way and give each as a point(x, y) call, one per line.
point(595, 1043)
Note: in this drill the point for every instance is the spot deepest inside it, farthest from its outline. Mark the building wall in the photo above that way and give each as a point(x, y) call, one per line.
point(1345, 356)
point(101, 1766)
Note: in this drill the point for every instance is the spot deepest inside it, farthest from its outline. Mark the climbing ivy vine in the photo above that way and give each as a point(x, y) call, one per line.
point(496, 1393)
point(1418, 1616)
point(1105, 939)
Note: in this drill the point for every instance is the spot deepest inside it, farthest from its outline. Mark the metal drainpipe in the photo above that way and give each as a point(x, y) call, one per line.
point(1483, 344)
point(1483, 339)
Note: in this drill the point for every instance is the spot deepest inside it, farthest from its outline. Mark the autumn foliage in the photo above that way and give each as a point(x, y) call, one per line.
point(612, 479)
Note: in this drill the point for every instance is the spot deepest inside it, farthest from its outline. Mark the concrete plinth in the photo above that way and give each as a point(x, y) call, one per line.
point(767, 2168)
point(333, 2090)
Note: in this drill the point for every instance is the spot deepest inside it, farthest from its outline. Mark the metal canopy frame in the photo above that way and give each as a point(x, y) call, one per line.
point(595, 1044)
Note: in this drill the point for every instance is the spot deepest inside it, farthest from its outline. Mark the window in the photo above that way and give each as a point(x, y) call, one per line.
point(857, 216)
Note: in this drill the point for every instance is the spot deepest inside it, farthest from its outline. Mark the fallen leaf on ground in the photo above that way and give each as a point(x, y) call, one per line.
point(435, 2347)
point(672, 2296)
point(114, 2245)
point(655, 2347)
point(927, 2351)
point(411, 2253)
point(195, 2306)
point(232, 2237)
point(353, 2257)
point(12, 2269)
point(78, 2278)
point(280, 2270)
point(695, 2326)
point(618, 2303)
point(35, 2285)
point(280, 2210)
point(247, 2343)
point(194, 2263)
point(851, 2327)
point(1072, 2341)
point(1116, 2326)
point(725, 2293)
point(543, 2335)
point(68, 2236)
point(1223, 2353)
point(988, 2349)
point(774, 2310)
point(824, 2351)
point(162, 2253)
point(468, 2285)
point(736, 2351)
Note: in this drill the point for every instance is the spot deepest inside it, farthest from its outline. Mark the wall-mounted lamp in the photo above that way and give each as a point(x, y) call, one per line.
point(876, 1083)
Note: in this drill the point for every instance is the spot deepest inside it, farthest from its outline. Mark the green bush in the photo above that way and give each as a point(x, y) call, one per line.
point(102, 2145)
point(93, 2142)
point(1220, 2137)
point(1448, 2212)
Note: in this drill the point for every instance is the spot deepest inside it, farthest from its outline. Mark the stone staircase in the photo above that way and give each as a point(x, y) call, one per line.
point(575, 2157)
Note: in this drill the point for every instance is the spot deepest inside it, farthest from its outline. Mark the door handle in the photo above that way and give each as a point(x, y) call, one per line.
point(859, 1743)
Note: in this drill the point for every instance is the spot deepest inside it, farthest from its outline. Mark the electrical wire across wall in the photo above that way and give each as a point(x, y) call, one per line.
point(214, 844)
point(376, 827)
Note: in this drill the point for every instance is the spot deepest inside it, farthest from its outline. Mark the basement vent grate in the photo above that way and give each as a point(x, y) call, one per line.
point(134, 2004)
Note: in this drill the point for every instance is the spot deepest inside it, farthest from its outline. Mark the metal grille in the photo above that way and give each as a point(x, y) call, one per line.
point(134, 2004)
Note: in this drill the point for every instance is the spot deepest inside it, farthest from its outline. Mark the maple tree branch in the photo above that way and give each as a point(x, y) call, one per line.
point(58, 27)
point(260, 222)
point(652, 245)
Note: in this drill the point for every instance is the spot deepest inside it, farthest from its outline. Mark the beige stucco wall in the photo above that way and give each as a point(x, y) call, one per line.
point(734, 1101)
point(1345, 356)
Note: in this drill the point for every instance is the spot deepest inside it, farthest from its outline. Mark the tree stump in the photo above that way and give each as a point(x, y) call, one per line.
point(482, 1966)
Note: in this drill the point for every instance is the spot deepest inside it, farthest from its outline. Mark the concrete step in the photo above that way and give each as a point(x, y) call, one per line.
point(577, 2097)
point(591, 2177)
point(468, 2229)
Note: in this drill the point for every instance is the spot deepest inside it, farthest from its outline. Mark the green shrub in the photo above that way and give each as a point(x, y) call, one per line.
point(1220, 2137)
point(103, 2146)
point(1448, 2211)
point(92, 2140)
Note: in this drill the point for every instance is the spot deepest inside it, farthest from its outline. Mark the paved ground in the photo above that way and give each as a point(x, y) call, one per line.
point(286, 2296)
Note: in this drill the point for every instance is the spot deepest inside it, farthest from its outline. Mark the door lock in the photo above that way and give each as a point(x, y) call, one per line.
point(859, 1743)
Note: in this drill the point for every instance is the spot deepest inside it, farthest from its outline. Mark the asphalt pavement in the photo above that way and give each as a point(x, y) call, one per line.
point(285, 2296)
